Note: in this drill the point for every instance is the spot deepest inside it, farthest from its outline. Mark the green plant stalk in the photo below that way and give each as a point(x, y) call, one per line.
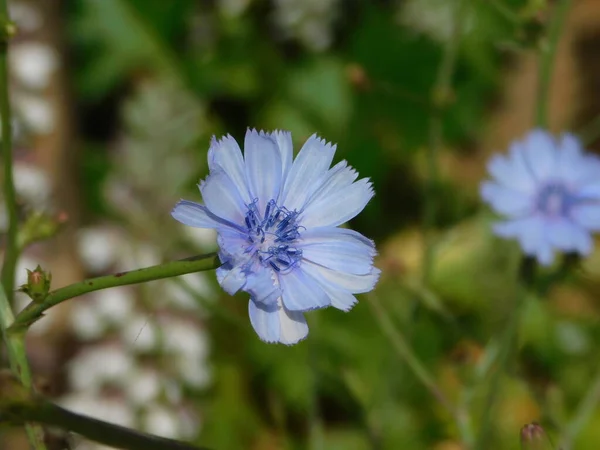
point(506, 345)
point(547, 52)
point(17, 358)
point(103, 432)
point(525, 281)
point(11, 251)
point(418, 369)
point(35, 310)
point(440, 94)
point(583, 413)
point(15, 344)
point(19, 404)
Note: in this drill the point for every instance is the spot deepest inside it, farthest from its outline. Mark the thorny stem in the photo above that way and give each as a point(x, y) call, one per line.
point(418, 369)
point(547, 52)
point(15, 344)
point(35, 310)
point(440, 97)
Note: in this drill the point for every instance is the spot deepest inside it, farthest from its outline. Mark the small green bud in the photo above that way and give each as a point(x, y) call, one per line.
point(533, 437)
point(38, 284)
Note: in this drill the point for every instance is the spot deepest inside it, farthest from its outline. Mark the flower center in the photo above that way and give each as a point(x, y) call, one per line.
point(271, 237)
point(554, 199)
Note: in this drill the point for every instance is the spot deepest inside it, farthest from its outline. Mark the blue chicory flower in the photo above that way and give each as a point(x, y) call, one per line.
point(549, 191)
point(277, 226)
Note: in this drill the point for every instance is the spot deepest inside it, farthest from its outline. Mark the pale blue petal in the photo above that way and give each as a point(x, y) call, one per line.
point(531, 234)
point(355, 284)
point(300, 292)
point(568, 236)
point(511, 170)
point(335, 179)
point(561, 234)
point(231, 241)
point(312, 162)
point(583, 242)
point(541, 154)
point(505, 200)
point(587, 215)
point(221, 197)
point(590, 191)
point(338, 249)
point(273, 323)
point(265, 320)
point(339, 207)
point(261, 287)
point(225, 154)
point(286, 149)
point(195, 215)
point(340, 299)
point(231, 279)
point(571, 160)
point(263, 167)
point(293, 326)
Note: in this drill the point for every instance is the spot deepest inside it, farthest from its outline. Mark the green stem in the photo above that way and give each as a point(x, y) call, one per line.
point(418, 369)
point(103, 432)
point(440, 97)
point(547, 52)
point(35, 310)
point(583, 413)
point(15, 344)
point(507, 343)
point(19, 404)
point(11, 252)
point(17, 358)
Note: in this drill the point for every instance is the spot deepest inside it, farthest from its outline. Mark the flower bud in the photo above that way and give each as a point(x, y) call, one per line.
point(533, 437)
point(38, 284)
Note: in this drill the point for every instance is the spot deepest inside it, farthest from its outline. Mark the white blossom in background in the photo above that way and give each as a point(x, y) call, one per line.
point(438, 22)
point(35, 111)
point(31, 185)
point(27, 17)
point(98, 366)
point(233, 8)
point(140, 334)
point(309, 21)
point(93, 314)
point(33, 63)
point(99, 247)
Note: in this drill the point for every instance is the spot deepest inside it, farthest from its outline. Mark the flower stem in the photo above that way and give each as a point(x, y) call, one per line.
point(11, 251)
point(418, 369)
point(440, 98)
point(583, 413)
point(35, 310)
point(19, 404)
point(15, 344)
point(547, 52)
point(19, 366)
point(507, 343)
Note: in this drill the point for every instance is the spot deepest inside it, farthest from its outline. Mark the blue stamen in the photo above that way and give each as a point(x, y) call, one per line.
point(277, 230)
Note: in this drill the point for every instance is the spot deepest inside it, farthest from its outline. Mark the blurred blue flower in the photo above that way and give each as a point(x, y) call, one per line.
point(277, 226)
point(549, 190)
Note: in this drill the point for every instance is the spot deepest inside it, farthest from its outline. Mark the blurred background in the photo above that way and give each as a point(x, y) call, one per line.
point(114, 104)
